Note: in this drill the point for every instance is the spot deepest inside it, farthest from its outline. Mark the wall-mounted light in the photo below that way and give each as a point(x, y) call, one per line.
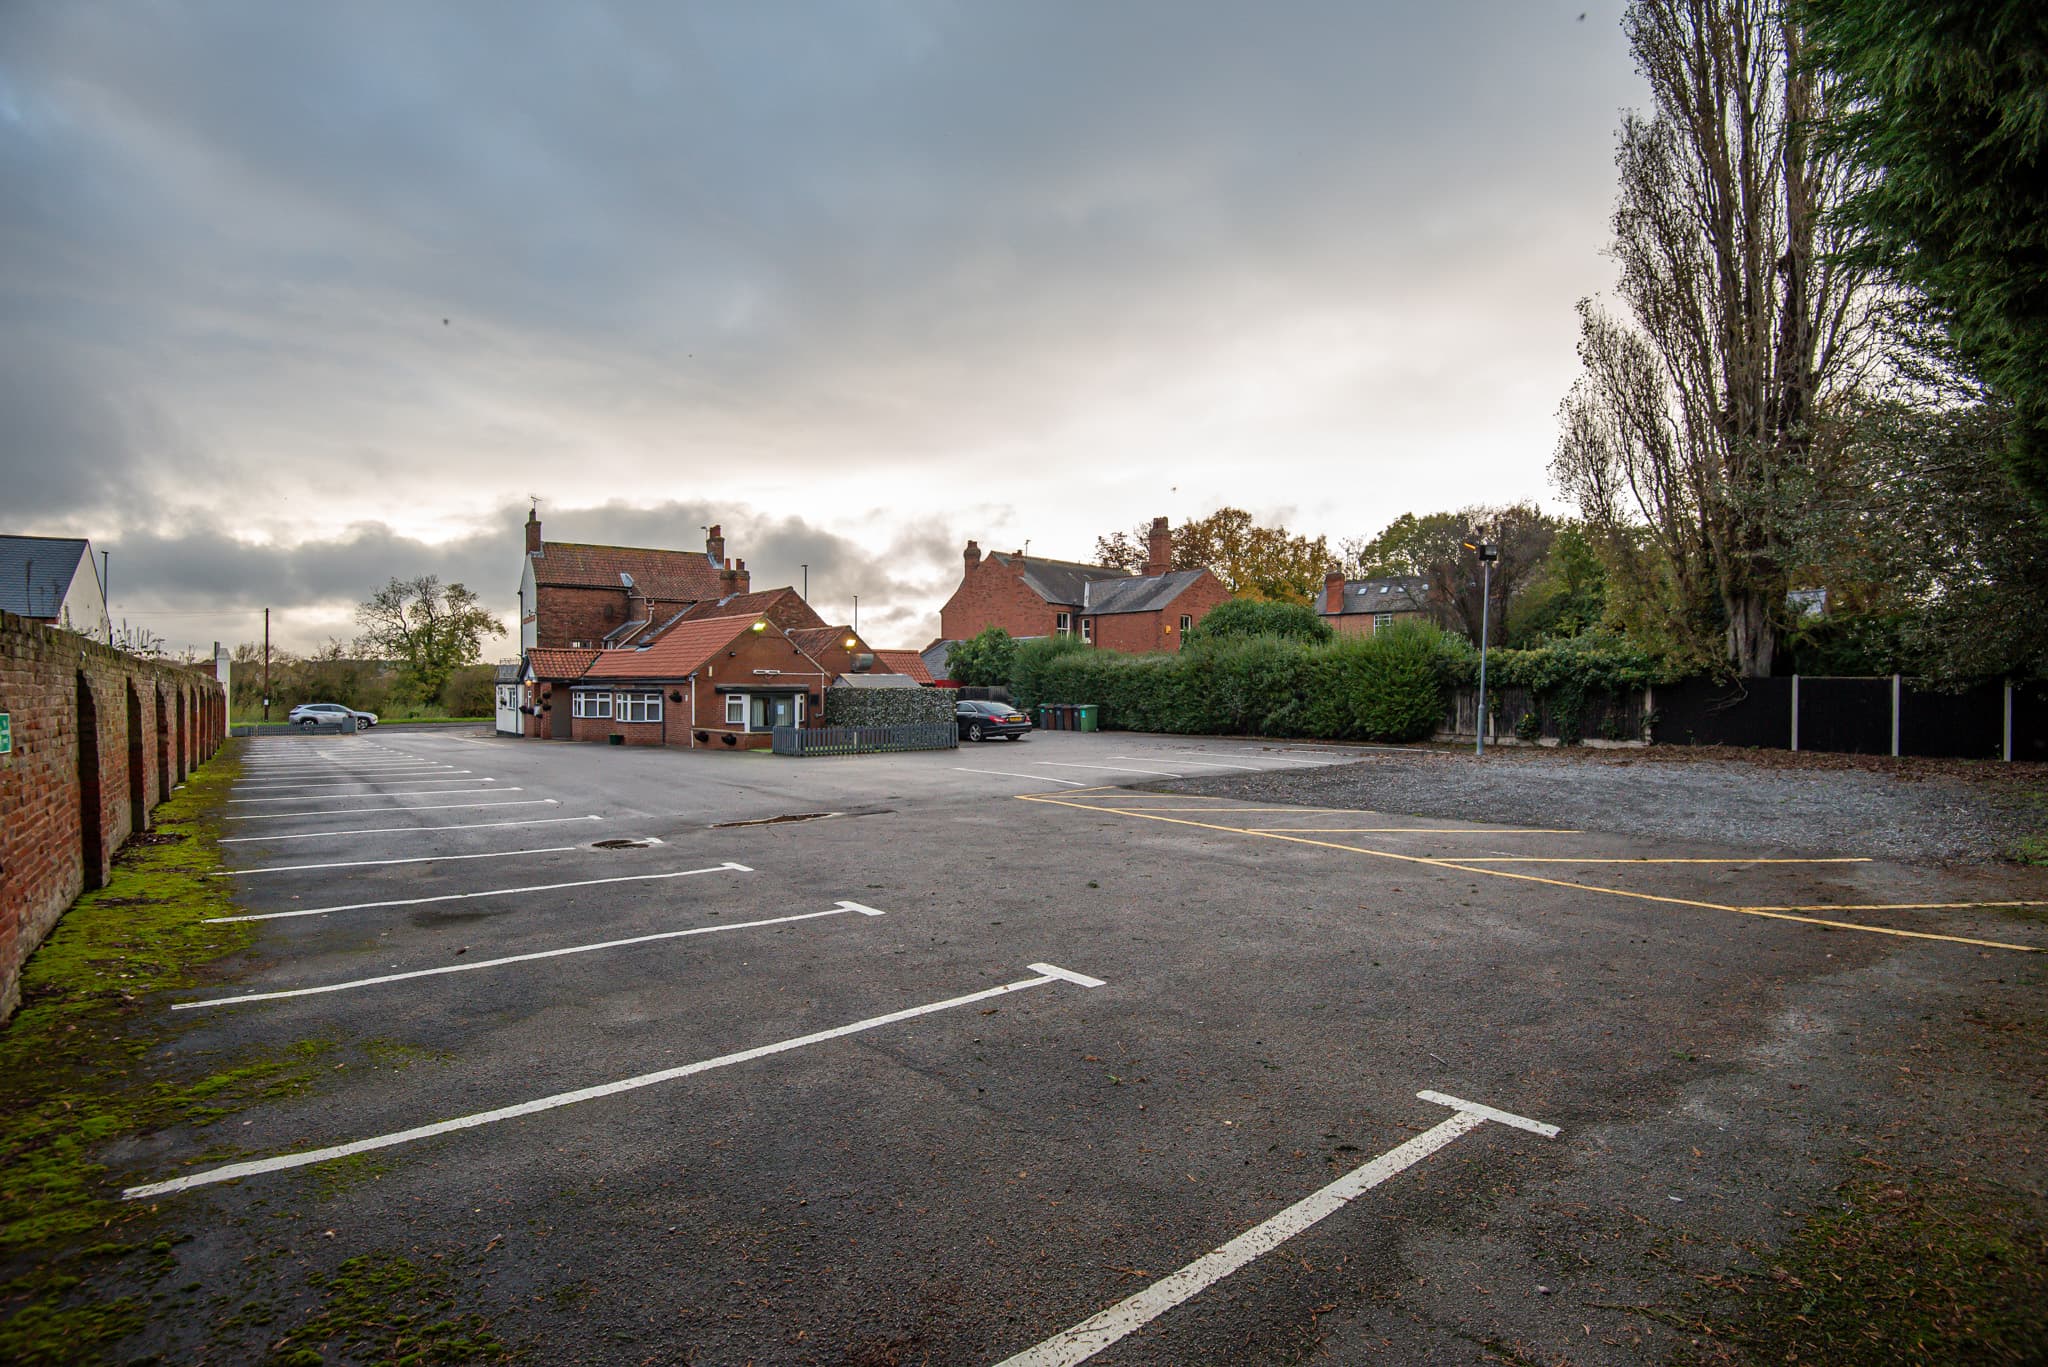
point(851, 643)
point(760, 626)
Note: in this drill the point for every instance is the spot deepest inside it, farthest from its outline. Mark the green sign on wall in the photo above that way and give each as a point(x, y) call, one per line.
point(6, 735)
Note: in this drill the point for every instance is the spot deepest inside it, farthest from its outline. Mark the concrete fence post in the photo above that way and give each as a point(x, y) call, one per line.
point(1895, 716)
point(1795, 711)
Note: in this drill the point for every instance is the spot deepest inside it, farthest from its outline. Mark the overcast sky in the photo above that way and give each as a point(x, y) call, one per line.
point(297, 297)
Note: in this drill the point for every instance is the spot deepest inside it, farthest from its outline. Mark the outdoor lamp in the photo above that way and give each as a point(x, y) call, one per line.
point(760, 626)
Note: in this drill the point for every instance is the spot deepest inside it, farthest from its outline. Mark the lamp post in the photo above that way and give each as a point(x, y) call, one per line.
point(1487, 553)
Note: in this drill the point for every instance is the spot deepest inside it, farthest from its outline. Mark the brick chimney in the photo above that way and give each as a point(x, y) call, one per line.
point(728, 580)
point(714, 545)
point(972, 555)
point(1158, 548)
point(1333, 592)
point(742, 578)
point(533, 531)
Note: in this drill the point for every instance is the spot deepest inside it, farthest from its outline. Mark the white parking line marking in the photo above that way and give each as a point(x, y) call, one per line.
point(488, 892)
point(404, 774)
point(415, 807)
point(1112, 768)
point(415, 859)
point(1191, 759)
point(1092, 1335)
point(403, 792)
point(229, 1172)
point(1035, 778)
point(840, 910)
point(404, 830)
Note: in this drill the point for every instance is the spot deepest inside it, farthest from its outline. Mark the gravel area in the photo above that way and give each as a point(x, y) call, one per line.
point(1915, 811)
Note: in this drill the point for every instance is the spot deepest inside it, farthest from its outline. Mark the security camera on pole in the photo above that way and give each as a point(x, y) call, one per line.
point(1487, 552)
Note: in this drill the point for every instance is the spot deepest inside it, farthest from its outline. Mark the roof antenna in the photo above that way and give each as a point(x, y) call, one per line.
point(534, 499)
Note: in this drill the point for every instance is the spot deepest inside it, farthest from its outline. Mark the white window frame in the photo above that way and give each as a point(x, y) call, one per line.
point(639, 707)
point(590, 706)
point(1063, 624)
point(801, 699)
point(1381, 621)
point(1088, 630)
point(736, 710)
point(1187, 623)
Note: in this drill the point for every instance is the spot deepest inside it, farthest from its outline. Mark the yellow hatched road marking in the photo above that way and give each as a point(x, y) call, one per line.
point(1765, 912)
point(1899, 906)
point(1402, 830)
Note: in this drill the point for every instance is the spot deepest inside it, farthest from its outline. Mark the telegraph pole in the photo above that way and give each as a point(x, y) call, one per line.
point(266, 664)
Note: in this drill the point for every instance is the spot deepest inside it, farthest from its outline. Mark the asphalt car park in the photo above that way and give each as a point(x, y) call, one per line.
point(1010, 1055)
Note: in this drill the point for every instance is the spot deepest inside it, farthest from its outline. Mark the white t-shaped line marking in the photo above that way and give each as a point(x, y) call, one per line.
point(1046, 973)
point(1092, 1335)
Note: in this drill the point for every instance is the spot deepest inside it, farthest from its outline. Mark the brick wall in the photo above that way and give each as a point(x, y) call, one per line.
point(992, 594)
point(99, 739)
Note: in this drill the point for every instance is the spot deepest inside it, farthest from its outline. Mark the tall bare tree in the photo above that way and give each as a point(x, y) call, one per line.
point(1741, 326)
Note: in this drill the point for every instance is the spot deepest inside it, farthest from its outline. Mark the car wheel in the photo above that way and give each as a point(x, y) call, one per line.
point(974, 731)
point(308, 724)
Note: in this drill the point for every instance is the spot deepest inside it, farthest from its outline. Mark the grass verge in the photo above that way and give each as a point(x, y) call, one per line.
point(75, 1071)
point(1919, 1266)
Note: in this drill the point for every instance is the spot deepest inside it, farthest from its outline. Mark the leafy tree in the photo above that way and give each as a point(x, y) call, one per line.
point(1440, 549)
point(429, 630)
point(1267, 563)
point(985, 659)
point(1700, 407)
point(1245, 617)
point(1947, 104)
point(1934, 561)
point(1566, 596)
point(1406, 546)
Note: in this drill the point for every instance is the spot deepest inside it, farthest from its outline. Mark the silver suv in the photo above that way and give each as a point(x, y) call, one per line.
point(311, 714)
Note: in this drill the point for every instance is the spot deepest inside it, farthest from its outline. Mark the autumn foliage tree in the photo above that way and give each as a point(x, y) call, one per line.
point(1266, 563)
point(1438, 548)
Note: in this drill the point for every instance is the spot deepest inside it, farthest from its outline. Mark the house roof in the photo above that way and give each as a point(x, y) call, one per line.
point(1404, 593)
point(680, 652)
point(738, 604)
point(811, 640)
point(36, 572)
point(674, 575)
point(1146, 593)
point(937, 656)
point(549, 663)
point(508, 672)
point(1058, 581)
point(905, 662)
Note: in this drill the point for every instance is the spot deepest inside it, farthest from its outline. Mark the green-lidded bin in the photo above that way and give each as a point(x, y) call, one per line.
point(1085, 716)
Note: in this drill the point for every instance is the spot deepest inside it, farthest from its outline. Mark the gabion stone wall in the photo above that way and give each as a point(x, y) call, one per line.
point(889, 706)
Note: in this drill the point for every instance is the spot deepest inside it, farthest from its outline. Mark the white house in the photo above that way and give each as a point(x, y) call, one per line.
point(54, 580)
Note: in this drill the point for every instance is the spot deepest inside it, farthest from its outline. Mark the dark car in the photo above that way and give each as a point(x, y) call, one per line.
point(980, 720)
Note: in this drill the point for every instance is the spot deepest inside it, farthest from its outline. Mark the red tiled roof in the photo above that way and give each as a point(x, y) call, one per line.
point(675, 575)
point(679, 653)
point(740, 604)
point(811, 640)
point(560, 664)
point(907, 662)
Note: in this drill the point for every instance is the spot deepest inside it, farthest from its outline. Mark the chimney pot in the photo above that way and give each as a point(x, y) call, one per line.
point(533, 531)
point(972, 555)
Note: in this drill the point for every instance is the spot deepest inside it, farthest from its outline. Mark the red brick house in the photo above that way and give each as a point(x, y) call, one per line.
point(712, 681)
point(1101, 604)
point(1360, 607)
point(573, 595)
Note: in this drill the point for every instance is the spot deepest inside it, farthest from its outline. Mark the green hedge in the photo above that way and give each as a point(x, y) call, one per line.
point(888, 706)
point(1390, 686)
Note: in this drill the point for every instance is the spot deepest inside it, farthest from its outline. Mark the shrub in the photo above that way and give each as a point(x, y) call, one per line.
point(1384, 687)
point(1029, 663)
point(470, 691)
point(1243, 617)
point(982, 659)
